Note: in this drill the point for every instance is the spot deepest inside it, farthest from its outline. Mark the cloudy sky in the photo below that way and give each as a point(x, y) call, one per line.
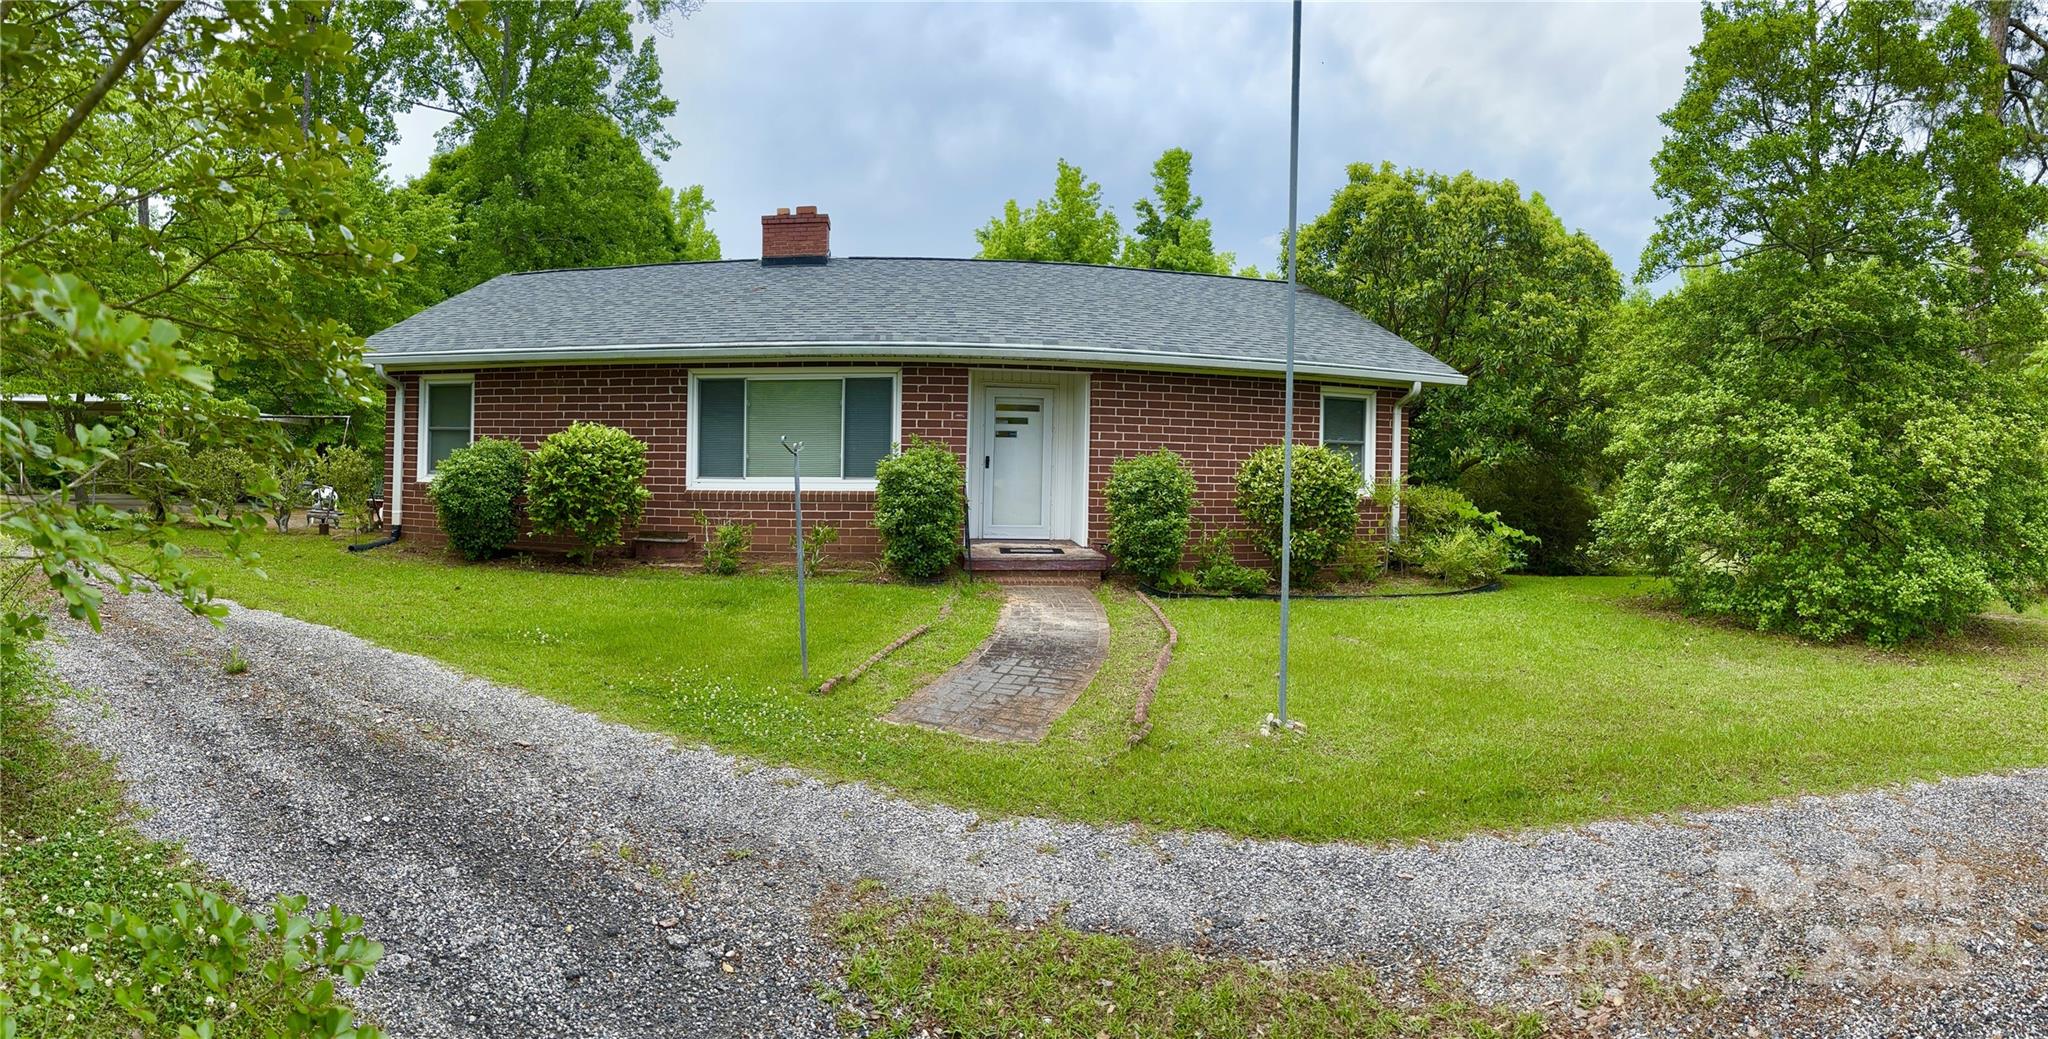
point(911, 123)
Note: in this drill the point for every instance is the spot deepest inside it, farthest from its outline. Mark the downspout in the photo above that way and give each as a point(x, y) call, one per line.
point(1400, 475)
point(397, 436)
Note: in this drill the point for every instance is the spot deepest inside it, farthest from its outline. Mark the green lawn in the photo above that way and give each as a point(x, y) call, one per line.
point(933, 967)
point(1555, 701)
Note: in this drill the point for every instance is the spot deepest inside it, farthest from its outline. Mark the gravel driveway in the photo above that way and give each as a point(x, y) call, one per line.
point(479, 830)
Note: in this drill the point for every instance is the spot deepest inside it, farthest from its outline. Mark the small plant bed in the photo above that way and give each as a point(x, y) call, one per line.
point(104, 932)
point(934, 968)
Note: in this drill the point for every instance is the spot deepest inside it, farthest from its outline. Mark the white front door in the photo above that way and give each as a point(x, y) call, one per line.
point(1017, 464)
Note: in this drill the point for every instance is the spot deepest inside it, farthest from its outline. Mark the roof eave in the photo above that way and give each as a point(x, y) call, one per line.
point(399, 360)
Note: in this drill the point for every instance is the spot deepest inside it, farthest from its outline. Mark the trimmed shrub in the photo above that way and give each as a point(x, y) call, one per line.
point(1326, 485)
point(726, 547)
point(587, 481)
point(220, 477)
point(476, 493)
point(1150, 498)
point(919, 508)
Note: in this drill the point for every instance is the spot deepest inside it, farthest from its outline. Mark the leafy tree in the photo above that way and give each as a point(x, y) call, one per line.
point(1170, 237)
point(694, 239)
point(1073, 226)
point(561, 188)
point(107, 106)
point(484, 64)
point(1491, 282)
point(1817, 431)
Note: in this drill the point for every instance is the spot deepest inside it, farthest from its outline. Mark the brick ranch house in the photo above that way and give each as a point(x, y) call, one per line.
point(1040, 376)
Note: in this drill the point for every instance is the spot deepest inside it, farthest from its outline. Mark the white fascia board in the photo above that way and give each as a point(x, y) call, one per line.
point(1014, 352)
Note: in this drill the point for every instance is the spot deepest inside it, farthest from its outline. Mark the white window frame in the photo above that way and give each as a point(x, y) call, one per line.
point(692, 481)
point(426, 465)
point(1371, 397)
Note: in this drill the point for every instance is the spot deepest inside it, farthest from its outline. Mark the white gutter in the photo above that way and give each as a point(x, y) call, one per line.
point(887, 348)
point(397, 434)
point(1400, 475)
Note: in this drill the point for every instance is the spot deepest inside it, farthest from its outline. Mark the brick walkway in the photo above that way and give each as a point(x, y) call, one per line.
point(1047, 646)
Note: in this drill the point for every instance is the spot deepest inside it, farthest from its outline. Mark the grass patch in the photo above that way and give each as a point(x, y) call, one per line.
point(931, 967)
point(1558, 700)
point(178, 954)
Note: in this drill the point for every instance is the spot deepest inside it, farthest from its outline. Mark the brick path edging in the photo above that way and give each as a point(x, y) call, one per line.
point(1141, 715)
point(879, 655)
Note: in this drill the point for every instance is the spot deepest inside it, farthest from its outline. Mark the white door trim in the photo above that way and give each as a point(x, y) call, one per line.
point(985, 401)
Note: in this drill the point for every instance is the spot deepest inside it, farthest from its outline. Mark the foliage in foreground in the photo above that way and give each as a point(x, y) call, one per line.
point(476, 493)
point(588, 481)
point(115, 117)
point(919, 509)
point(104, 932)
point(932, 966)
point(1326, 485)
point(1150, 498)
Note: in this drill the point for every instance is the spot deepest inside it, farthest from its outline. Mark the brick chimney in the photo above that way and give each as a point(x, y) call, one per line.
point(804, 236)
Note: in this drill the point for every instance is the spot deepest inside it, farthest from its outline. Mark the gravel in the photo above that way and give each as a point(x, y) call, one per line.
point(478, 829)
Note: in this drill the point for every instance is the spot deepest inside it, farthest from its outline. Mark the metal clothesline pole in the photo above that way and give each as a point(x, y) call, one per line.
point(1287, 420)
point(803, 635)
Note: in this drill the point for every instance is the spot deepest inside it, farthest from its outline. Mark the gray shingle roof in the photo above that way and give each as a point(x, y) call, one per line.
point(900, 307)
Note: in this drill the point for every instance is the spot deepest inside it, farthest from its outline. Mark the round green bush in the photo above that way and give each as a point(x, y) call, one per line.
point(1150, 498)
point(1326, 485)
point(920, 508)
point(475, 494)
point(588, 481)
point(220, 477)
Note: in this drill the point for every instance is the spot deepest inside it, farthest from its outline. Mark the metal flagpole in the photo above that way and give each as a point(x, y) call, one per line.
point(803, 635)
point(1287, 409)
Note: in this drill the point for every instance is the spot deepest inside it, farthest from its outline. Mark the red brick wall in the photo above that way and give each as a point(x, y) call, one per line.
point(1213, 421)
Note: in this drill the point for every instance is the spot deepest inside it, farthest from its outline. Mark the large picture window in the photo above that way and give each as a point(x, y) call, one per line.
point(846, 423)
point(1347, 426)
point(447, 419)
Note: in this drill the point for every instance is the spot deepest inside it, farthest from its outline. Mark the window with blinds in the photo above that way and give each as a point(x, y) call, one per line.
point(1347, 427)
point(448, 421)
point(845, 423)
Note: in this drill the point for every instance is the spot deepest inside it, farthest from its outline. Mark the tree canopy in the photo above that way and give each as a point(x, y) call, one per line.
point(1170, 237)
point(1073, 226)
point(559, 188)
point(1819, 431)
point(1491, 282)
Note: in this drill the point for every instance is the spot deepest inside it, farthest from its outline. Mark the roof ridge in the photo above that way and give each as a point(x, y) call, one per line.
point(618, 267)
point(920, 259)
